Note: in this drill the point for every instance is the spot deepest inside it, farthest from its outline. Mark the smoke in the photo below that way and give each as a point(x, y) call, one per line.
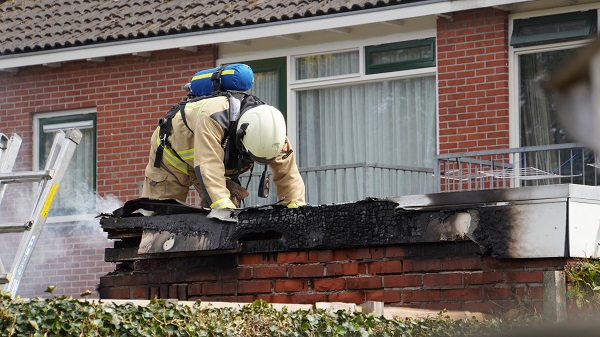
point(17, 202)
point(70, 249)
point(79, 213)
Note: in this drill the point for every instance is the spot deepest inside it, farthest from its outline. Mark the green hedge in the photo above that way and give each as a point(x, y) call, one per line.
point(584, 289)
point(66, 316)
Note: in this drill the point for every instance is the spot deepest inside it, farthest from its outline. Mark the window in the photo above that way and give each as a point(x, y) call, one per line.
point(73, 197)
point(538, 123)
point(361, 136)
point(554, 28)
point(541, 45)
point(400, 56)
point(270, 79)
point(388, 123)
point(327, 65)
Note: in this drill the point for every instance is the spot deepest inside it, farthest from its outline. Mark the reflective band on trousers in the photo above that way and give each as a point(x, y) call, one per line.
point(223, 203)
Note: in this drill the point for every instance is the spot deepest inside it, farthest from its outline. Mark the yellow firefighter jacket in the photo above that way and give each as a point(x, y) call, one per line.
point(196, 157)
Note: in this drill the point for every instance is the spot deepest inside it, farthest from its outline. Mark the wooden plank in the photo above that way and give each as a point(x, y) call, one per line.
point(116, 234)
point(141, 303)
point(131, 254)
point(166, 241)
point(555, 296)
point(121, 254)
point(402, 312)
point(276, 306)
point(374, 307)
point(335, 306)
point(205, 305)
point(389, 312)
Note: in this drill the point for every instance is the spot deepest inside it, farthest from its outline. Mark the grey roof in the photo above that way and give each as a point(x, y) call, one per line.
point(32, 25)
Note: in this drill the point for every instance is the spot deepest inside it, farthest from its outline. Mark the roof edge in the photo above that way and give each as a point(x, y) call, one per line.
point(217, 36)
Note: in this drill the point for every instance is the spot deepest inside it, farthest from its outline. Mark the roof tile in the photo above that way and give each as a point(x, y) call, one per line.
point(31, 25)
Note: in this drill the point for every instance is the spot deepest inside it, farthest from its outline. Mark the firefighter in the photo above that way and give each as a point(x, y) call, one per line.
point(212, 144)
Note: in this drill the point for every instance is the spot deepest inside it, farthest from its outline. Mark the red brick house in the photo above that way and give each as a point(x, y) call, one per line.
point(372, 92)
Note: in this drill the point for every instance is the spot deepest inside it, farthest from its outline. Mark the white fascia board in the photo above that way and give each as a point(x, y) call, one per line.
point(244, 33)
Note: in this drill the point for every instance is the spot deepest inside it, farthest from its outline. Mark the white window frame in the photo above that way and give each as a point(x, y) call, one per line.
point(295, 86)
point(293, 58)
point(513, 64)
point(36, 153)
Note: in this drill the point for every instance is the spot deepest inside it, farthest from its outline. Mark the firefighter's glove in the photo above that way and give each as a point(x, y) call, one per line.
point(237, 192)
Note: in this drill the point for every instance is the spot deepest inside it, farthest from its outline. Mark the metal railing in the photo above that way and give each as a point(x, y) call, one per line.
point(349, 182)
point(515, 167)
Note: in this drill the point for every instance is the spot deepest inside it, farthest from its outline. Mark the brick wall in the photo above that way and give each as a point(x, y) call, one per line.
point(453, 276)
point(472, 53)
point(130, 94)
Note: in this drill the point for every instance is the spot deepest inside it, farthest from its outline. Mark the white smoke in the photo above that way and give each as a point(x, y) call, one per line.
point(72, 244)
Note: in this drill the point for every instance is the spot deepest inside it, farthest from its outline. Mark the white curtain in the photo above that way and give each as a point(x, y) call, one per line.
point(387, 122)
point(266, 87)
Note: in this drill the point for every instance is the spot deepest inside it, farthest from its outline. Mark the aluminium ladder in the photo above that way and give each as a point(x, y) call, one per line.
point(49, 179)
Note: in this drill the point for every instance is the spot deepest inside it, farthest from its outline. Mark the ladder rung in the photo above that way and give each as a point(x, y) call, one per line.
point(15, 227)
point(4, 278)
point(21, 177)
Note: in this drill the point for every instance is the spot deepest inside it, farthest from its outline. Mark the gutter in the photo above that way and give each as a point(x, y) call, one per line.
point(224, 35)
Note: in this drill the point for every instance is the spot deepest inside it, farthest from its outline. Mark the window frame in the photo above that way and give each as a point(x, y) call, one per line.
point(402, 65)
point(517, 40)
point(294, 59)
point(70, 118)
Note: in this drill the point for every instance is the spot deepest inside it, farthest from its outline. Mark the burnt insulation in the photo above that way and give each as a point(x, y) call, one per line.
point(371, 222)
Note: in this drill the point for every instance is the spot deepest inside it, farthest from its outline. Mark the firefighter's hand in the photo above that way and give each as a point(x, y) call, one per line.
point(237, 192)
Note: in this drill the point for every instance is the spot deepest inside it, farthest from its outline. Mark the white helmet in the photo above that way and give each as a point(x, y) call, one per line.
point(261, 133)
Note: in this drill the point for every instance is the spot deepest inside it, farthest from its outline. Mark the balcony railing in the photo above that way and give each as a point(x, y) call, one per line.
point(466, 171)
point(515, 167)
point(350, 182)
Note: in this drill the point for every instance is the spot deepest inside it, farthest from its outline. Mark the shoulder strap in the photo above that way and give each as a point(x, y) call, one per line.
point(164, 125)
point(215, 78)
point(183, 117)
